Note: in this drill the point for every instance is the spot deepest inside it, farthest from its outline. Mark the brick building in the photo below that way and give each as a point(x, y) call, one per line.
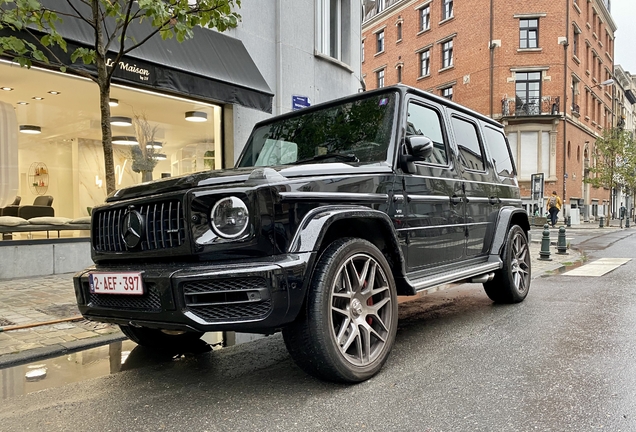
point(541, 68)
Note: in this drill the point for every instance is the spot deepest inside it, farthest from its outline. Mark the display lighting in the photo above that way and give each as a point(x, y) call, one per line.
point(125, 140)
point(23, 103)
point(121, 121)
point(113, 102)
point(154, 145)
point(54, 92)
point(160, 156)
point(7, 88)
point(37, 98)
point(30, 129)
point(196, 116)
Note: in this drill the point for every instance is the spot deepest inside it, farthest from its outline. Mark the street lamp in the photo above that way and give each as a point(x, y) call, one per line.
point(604, 83)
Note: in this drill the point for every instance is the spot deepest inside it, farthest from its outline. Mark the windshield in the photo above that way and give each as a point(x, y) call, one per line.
point(355, 132)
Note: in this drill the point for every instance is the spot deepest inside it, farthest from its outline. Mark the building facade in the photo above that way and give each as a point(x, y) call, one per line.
point(289, 50)
point(541, 68)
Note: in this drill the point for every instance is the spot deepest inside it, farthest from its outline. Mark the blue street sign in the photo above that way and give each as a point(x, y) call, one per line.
point(299, 102)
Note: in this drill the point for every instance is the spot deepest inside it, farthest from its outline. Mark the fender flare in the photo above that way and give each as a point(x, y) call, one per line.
point(504, 220)
point(314, 226)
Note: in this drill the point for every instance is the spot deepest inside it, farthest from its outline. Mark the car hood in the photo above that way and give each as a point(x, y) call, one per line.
point(241, 177)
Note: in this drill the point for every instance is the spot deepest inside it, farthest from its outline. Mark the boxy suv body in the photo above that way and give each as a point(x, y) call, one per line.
point(330, 213)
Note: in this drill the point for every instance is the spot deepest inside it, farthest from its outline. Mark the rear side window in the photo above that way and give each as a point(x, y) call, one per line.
point(426, 121)
point(500, 152)
point(468, 143)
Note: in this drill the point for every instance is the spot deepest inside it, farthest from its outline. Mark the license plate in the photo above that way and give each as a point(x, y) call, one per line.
point(129, 283)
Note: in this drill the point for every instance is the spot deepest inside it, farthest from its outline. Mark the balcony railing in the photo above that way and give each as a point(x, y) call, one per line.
point(544, 105)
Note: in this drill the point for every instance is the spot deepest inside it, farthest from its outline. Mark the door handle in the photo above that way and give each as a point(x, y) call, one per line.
point(494, 200)
point(456, 200)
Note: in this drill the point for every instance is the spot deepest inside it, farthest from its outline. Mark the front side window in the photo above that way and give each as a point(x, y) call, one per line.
point(425, 18)
point(354, 132)
point(426, 121)
point(447, 9)
point(468, 144)
point(425, 62)
point(528, 93)
point(447, 54)
point(380, 41)
point(529, 33)
point(448, 93)
point(380, 78)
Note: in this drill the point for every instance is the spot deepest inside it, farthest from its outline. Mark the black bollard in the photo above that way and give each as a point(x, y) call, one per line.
point(562, 246)
point(544, 254)
point(569, 221)
point(626, 222)
point(600, 221)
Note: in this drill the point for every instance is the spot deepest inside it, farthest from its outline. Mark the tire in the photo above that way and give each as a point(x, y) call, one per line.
point(160, 340)
point(347, 330)
point(512, 282)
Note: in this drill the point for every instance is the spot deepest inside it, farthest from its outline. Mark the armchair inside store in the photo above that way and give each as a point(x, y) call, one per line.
point(59, 125)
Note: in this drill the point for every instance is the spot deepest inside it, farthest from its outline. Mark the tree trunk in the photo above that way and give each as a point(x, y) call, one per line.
point(103, 81)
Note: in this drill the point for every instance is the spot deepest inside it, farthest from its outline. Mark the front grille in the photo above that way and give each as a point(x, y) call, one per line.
point(231, 299)
point(163, 227)
point(150, 301)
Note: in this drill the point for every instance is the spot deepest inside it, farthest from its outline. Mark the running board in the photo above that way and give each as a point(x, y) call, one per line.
point(454, 275)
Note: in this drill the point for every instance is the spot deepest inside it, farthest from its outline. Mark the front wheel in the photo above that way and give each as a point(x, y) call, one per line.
point(512, 282)
point(160, 339)
point(348, 327)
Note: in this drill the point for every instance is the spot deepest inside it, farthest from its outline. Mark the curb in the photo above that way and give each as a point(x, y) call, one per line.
point(35, 354)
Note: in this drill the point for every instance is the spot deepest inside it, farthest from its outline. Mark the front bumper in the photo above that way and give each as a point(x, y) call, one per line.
point(247, 296)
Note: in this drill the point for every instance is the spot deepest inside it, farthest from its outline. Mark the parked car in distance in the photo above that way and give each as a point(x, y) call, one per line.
point(330, 213)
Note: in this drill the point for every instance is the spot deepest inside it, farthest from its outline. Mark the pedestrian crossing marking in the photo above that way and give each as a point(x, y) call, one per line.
point(598, 267)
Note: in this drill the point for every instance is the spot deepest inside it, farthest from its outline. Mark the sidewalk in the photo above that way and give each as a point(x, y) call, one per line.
point(51, 298)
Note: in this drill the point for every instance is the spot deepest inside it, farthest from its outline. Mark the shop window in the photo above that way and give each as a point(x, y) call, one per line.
point(531, 153)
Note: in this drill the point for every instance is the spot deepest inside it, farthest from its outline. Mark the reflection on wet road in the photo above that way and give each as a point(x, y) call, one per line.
point(88, 364)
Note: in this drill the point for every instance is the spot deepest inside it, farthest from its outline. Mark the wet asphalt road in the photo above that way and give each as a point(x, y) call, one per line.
point(563, 360)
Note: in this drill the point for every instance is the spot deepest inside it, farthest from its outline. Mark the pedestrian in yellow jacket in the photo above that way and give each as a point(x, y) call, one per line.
point(554, 207)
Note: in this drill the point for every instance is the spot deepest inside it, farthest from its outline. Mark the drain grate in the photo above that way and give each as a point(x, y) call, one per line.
point(61, 311)
point(5, 322)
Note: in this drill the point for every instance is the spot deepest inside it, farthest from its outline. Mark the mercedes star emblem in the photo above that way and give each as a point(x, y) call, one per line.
point(132, 228)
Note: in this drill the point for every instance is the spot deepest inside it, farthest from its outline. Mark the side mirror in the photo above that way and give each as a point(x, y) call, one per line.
point(421, 146)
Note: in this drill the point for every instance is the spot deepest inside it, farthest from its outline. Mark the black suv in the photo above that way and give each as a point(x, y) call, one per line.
point(330, 213)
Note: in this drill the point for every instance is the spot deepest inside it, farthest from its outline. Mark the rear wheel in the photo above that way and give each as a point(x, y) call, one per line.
point(160, 339)
point(512, 282)
point(348, 328)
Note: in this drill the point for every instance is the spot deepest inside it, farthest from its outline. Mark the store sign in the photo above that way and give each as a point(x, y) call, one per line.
point(129, 70)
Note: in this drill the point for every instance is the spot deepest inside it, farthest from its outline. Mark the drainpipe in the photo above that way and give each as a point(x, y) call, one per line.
point(492, 59)
point(565, 96)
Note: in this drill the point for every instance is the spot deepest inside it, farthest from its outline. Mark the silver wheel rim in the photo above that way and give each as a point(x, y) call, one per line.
point(361, 309)
point(520, 265)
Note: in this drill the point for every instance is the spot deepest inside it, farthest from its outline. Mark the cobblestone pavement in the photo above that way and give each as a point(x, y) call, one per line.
point(52, 298)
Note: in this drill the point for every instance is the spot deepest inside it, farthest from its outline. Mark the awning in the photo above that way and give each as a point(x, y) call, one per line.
point(211, 66)
point(630, 96)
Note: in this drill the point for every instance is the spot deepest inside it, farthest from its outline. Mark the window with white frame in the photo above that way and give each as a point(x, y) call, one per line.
point(425, 18)
point(380, 78)
point(447, 9)
point(333, 29)
point(379, 37)
point(447, 92)
point(425, 62)
point(447, 54)
point(531, 152)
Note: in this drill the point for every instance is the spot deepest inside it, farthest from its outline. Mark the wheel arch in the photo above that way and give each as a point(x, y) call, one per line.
point(507, 217)
point(324, 225)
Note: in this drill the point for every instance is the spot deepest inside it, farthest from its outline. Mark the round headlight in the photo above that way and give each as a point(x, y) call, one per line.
point(229, 217)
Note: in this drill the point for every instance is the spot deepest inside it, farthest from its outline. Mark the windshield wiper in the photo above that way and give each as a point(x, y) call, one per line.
point(337, 156)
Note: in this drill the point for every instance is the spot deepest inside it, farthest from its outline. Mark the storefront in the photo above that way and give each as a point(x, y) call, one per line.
point(168, 102)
